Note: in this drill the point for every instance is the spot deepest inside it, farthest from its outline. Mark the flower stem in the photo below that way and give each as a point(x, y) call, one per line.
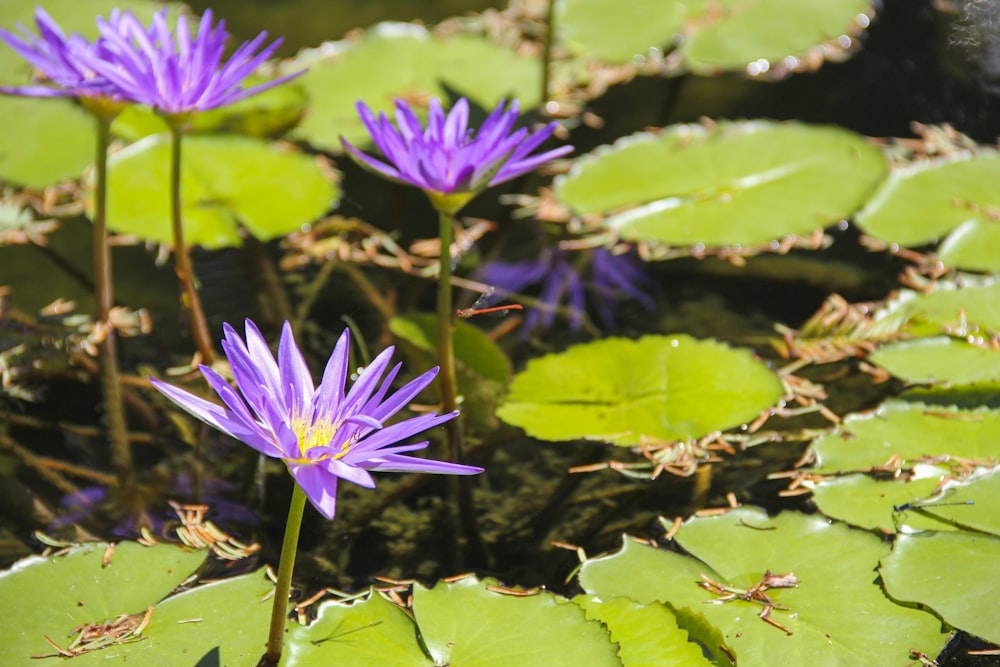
point(446, 349)
point(182, 260)
point(279, 610)
point(550, 36)
point(114, 411)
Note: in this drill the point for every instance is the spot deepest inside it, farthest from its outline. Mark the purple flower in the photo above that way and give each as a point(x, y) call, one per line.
point(447, 158)
point(173, 72)
point(564, 278)
point(62, 59)
point(321, 433)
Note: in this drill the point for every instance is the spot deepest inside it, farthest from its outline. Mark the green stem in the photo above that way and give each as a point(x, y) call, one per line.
point(550, 27)
point(182, 260)
point(446, 349)
point(114, 411)
point(279, 610)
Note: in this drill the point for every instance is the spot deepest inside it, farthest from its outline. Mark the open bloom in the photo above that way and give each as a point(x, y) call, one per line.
point(564, 278)
point(175, 72)
point(447, 158)
point(62, 60)
point(321, 433)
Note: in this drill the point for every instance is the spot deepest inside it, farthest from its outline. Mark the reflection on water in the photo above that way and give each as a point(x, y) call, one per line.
point(305, 23)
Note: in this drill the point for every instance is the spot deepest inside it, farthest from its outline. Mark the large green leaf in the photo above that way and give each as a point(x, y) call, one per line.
point(939, 360)
point(464, 623)
point(648, 634)
point(227, 182)
point(718, 35)
point(969, 308)
point(733, 184)
point(51, 596)
point(362, 634)
point(954, 573)
point(912, 431)
point(618, 390)
point(957, 197)
point(837, 614)
point(404, 60)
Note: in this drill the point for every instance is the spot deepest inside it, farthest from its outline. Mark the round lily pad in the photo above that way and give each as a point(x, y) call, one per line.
point(227, 182)
point(969, 308)
point(921, 203)
point(727, 185)
point(621, 391)
point(939, 360)
point(406, 61)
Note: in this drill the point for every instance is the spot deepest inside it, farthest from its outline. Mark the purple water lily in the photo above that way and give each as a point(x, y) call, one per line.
point(174, 72)
point(565, 277)
point(447, 157)
point(322, 433)
point(62, 59)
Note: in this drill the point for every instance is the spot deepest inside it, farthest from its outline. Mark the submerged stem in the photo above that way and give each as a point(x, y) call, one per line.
point(279, 609)
point(114, 410)
point(182, 260)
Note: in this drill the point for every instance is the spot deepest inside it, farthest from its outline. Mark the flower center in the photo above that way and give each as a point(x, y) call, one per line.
point(318, 433)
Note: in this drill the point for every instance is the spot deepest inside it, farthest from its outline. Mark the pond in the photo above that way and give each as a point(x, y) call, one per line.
point(721, 335)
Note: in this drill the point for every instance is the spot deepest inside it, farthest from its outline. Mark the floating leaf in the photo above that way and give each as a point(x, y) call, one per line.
point(361, 634)
point(472, 347)
point(718, 35)
point(406, 61)
point(912, 431)
point(868, 503)
point(957, 197)
point(939, 360)
point(227, 182)
point(952, 573)
point(837, 614)
point(618, 390)
point(734, 184)
point(970, 308)
point(647, 634)
point(464, 623)
point(51, 596)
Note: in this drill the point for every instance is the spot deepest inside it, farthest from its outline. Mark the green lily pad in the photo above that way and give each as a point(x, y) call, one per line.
point(734, 184)
point(221, 623)
point(952, 573)
point(227, 182)
point(972, 308)
point(913, 431)
point(868, 503)
point(837, 614)
point(464, 623)
point(361, 634)
point(472, 347)
point(620, 391)
point(939, 360)
point(51, 596)
point(712, 36)
point(404, 60)
point(957, 197)
point(647, 634)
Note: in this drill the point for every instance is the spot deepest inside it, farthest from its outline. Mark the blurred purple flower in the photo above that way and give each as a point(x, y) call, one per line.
point(173, 72)
point(564, 279)
point(321, 433)
point(62, 59)
point(448, 158)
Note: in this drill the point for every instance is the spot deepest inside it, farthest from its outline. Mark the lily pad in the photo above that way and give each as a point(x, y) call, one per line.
point(957, 197)
point(913, 431)
point(647, 634)
point(969, 308)
point(714, 36)
point(361, 634)
point(952, 573)
point(472, 347)
point(227, 182)
point(404, 60)
point(729, 185)
point(51, 596)
point(836, 615)
point(620, 391)
point(465, 623)
point(939, 360)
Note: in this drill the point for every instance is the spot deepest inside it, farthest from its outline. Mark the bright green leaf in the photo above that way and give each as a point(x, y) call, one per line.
point(734, 184)
point(939, 360)
point(618, 390)
point(227, 182)
point(472, 347)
